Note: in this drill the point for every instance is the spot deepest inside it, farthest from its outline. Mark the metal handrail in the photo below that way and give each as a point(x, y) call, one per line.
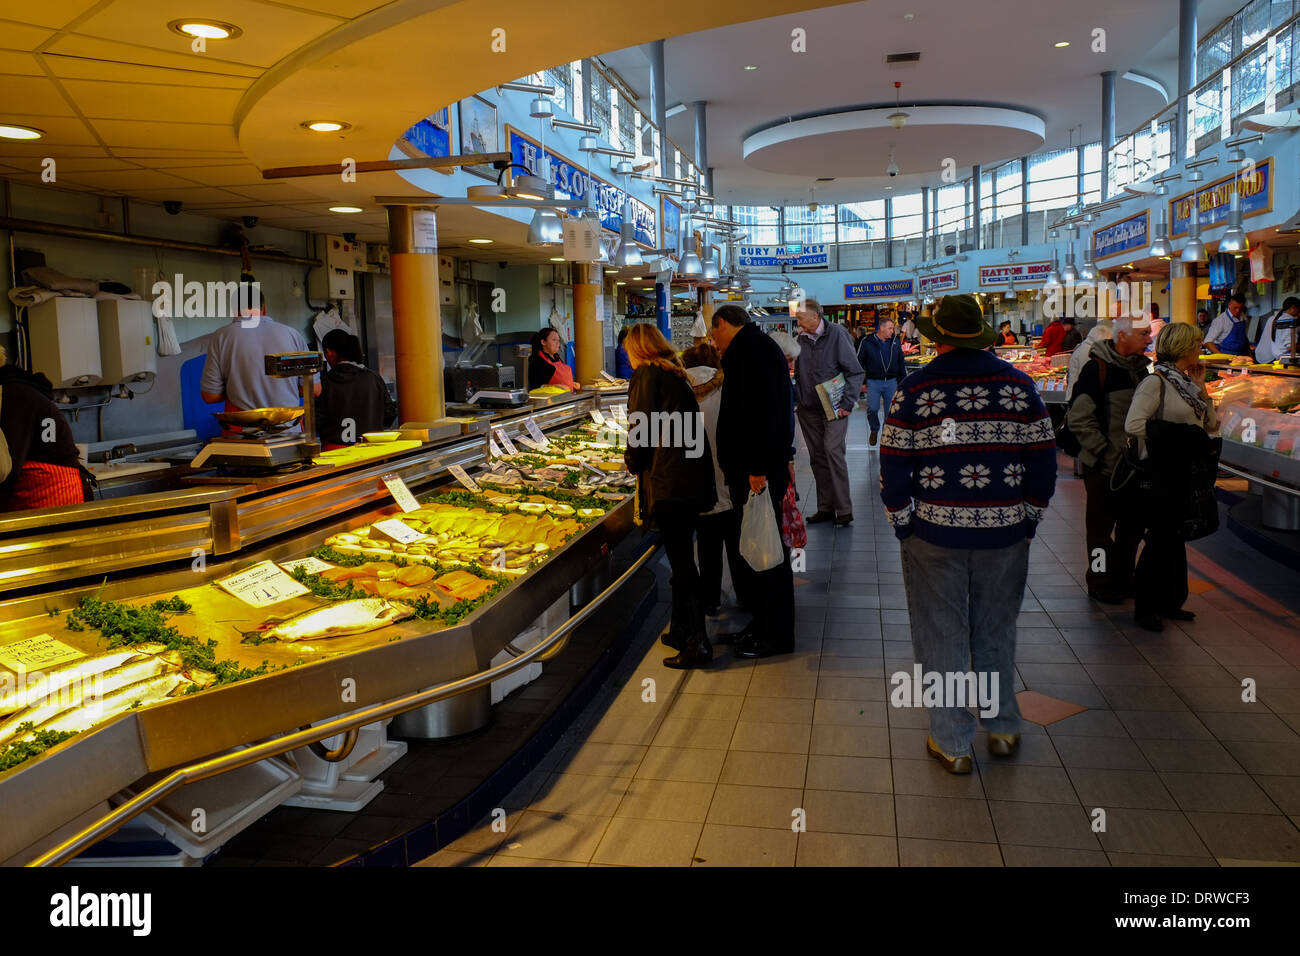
point(224, 763)
point(1256, 479)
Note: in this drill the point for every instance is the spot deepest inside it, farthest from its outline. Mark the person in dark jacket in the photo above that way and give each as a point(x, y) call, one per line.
point(354, 399)
point(881, 357)
point(46, 469)
point(668, 451)
point(1073, 338)
point(754, 441)
point(622, 367)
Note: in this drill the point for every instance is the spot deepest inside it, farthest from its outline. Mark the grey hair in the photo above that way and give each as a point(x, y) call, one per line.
point(812, 305)
point(789, 347)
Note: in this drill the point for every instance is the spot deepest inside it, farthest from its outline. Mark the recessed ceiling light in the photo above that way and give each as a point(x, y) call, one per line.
point(620, 283)
point(481, 242)
point(889, 187)
point(557, 258)
point(751, 68)
point(346, 209)
point(9, 131)
point(610, 272)
point(1060, 44)
point(324, 126)
point(207, 29)
point(909, 17)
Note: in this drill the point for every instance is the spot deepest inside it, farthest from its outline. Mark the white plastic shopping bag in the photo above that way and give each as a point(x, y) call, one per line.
point(760, 537)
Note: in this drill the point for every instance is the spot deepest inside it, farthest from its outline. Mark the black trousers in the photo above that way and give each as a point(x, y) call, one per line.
point(676, 526)
point(716, 532)
point(1161, 576)
point(1114, 530)
point(771, 593)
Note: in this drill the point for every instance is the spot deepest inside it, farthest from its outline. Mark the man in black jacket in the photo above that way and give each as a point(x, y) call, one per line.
point(755, 438)
point(354, 399)
point(881, 357)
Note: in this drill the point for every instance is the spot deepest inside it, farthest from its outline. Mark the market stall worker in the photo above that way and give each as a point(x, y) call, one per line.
point(1274, 343)
point(1053, 336)
point(350, 393)
point(235, 372)
point(1228, 332)
point(1073, 337)
point(1006, 335)
point(45, 472)
point(545, 366)
point(1203, 319)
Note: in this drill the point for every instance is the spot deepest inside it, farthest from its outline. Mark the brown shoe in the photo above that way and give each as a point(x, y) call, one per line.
point(1003, 745)
point(956, 765)
point(819, 517)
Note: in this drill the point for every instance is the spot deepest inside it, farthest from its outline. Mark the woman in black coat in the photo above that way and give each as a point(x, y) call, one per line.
point(668, 451)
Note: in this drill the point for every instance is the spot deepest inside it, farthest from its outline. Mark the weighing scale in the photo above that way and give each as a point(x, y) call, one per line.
point(264, 445)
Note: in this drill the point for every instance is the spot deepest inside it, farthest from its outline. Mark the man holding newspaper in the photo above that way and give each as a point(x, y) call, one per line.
point(828, 378)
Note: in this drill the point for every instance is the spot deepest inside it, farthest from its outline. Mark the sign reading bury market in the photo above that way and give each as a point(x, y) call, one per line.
point(800, 255)
point(888, 289)
point(572, 182)
point(1212, 199)
point(1123, 236)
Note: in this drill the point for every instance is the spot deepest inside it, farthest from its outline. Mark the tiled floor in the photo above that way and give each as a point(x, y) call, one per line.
point(800, 760)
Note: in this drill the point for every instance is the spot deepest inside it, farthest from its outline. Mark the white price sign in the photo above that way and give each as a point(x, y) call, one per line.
point(506, 443)
point(401, 494)
point(33, 653)
point(529, 443)
point(460, 475)
point(619, 412)
point(262, 585)
point(597, 416)
point(536, 433)
point(607, 377)
point(493, 448)
point(310, 565)
point(398, 530)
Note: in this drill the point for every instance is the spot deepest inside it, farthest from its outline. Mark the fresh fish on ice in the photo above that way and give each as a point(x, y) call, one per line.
point(336, 620)
point(35, 686)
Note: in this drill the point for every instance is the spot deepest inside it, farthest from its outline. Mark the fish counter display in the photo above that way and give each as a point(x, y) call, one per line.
point(394, 600)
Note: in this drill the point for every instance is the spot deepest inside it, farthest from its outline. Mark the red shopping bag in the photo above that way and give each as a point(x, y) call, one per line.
point(793, 531)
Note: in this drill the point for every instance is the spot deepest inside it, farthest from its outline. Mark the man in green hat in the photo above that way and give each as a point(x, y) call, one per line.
point(967, 468)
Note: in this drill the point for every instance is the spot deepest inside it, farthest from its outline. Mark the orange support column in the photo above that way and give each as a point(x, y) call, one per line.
point(417, 316)
point(1182, 292)
point(588, 331)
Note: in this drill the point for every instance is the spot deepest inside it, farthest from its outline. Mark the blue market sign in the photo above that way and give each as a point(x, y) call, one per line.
point(431, 136)
point(672, 224)
point(573, 182)
point(787, 255)
point(1123, 236)
point(889, 289)
point(1212, 201)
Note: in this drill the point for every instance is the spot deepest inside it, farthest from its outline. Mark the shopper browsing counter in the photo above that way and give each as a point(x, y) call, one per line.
point(350, 393)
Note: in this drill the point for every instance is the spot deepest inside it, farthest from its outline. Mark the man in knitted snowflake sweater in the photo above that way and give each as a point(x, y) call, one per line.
point(967, 468)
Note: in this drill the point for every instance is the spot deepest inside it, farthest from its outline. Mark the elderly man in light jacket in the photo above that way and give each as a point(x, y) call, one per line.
point(1079, 357)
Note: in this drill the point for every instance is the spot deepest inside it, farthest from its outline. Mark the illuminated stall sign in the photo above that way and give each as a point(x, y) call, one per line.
point(1124, 236)
point(572, 182)
point(1212, 200)
point(671, 218)
point(788, 255)
point(938, 282)
point(888, 289)
point(1018, 271)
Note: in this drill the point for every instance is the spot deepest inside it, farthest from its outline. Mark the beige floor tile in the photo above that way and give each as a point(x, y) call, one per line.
point(483, 838)
point(1156, 832)
point(771, 737)
point(944, 818)
point(846, 849)
point(706, 707)
point(842, 740)
point(626, 728)
point(780, 710)
point(728, 677)
point(666, 800)
point(928, 778)
point(852, 688)
point(682, 763)
point(1155, 859)
point(856, 713)
point(919, 852)
point(780, 685)
point(580, 793)
point(1051, 856)
point(554, 836)
point(842, 811)
point(1043, 824)
point(858, 774)
point(632, 842)
point(1248, 836)
point(770, 807)
point(745, 846)
point(603, 760)
point(522, 861)
point(700, 733)
point(1026, 783)
point(450, 857)
point(764, 769)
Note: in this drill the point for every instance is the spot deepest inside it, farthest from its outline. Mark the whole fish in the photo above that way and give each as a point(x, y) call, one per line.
point(336, 620)
point(140, 694)
point(35, 686)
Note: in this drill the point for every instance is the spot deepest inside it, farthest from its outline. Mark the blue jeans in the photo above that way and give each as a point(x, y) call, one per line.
point(963, 606)
point(880, 393)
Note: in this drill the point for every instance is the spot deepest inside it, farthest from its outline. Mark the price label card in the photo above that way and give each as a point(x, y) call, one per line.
point(506, 443)
point(36, 653)
point(401, 494)
point(460, 475)
point(529, 443)
point(619, 412)
point(493, 448)
point(591, 467)
point(262, 585)
point(536, 433)
point(607, 377)
point(397, 530)
point(597, 416)
point(310, 565)
point(1270, 439)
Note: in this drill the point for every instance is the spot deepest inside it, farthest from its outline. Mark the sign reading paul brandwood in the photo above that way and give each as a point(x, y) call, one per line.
point(1019, 271)
point(1212, 199)
point(572, 182)
point(889, 289)
point(1123, 236)
point(938, 282)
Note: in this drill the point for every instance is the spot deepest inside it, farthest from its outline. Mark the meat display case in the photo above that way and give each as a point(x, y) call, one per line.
point(146, 547)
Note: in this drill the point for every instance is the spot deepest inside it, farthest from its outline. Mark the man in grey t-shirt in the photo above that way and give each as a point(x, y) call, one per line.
point(235, 371)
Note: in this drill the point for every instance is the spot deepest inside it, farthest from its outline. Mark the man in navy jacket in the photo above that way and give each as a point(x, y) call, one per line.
point(881, 357)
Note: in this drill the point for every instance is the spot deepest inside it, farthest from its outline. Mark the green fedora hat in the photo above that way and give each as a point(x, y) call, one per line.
point(958, 320)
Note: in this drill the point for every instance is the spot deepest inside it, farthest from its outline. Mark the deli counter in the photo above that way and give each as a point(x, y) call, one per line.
point(213, 617)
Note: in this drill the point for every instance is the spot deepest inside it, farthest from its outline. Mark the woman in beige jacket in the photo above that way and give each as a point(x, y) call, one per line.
point(1176, 394)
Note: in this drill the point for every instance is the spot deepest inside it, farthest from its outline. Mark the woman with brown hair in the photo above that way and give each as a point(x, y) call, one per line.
point(668, 452)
